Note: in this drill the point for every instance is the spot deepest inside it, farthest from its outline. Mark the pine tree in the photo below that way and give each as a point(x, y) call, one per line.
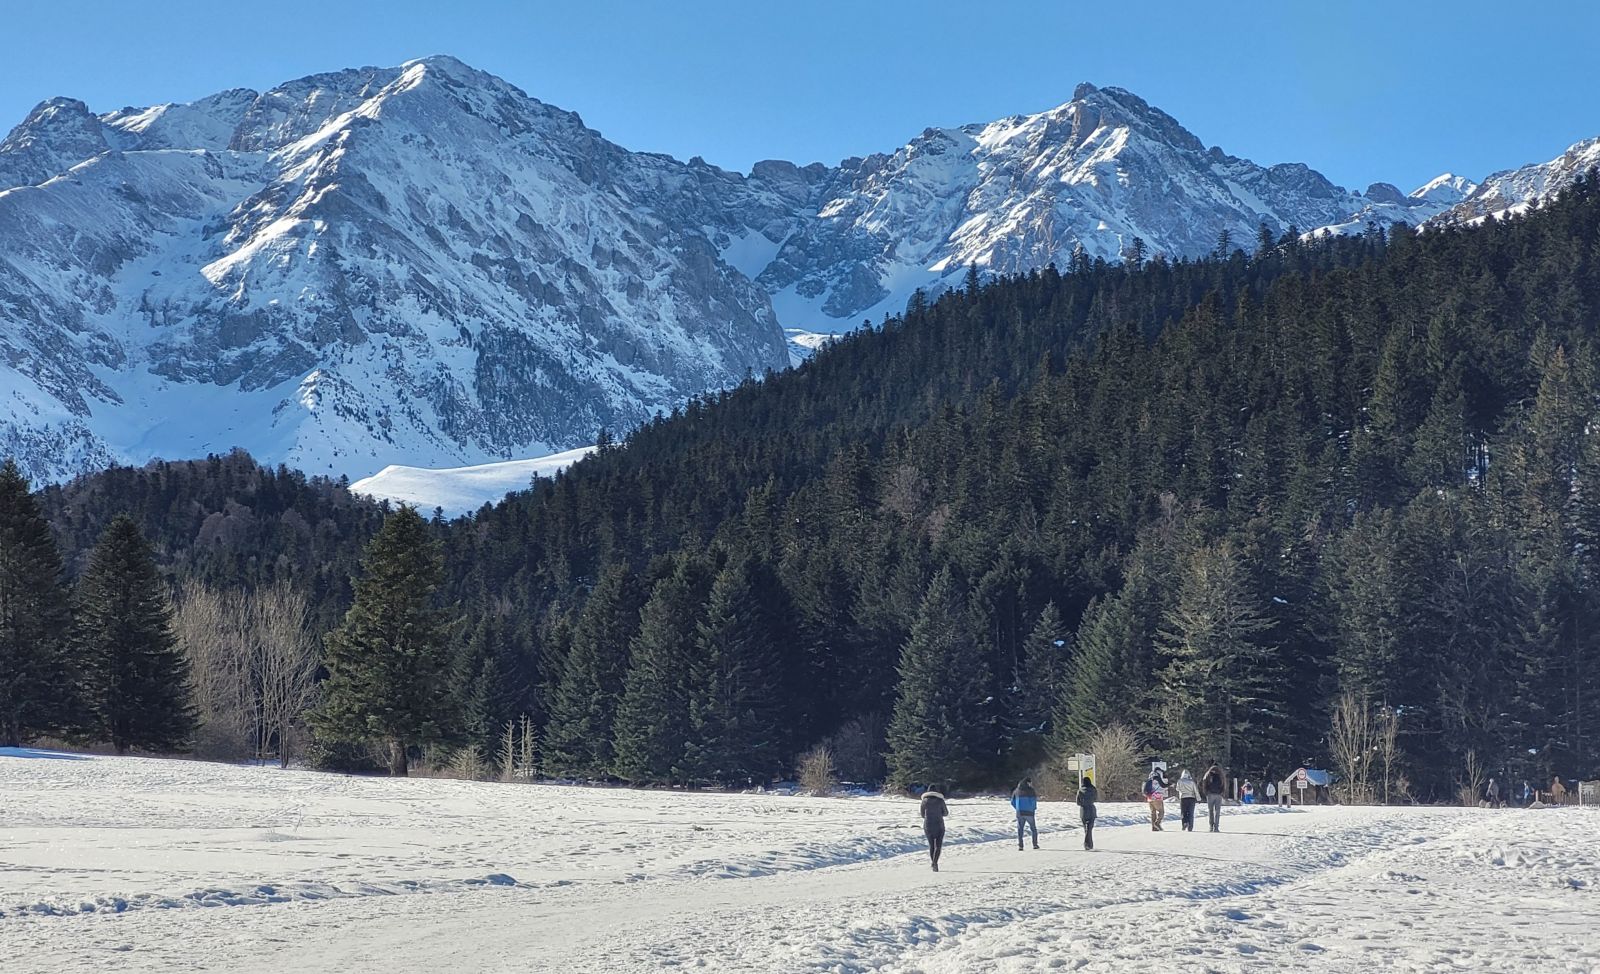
point(1111, 677)
point(389, 660)
point(135, 682)
point(584, 705)
point(736, 708)
point(1039, 678)
point(33, 618)
point(652, 722)
point(1221, 684)
point(942, 726)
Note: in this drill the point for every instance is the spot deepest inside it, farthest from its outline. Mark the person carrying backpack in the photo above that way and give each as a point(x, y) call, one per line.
point(934, 810)
point(1214, 784)
point(1088, 794)
point(1155, 792)
point(1026, 802)
point(1188, 797)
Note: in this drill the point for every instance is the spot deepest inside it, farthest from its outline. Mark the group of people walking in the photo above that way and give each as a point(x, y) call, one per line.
point(1212, 786)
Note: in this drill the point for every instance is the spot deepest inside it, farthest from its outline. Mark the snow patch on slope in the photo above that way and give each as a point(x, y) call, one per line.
point(462, 490)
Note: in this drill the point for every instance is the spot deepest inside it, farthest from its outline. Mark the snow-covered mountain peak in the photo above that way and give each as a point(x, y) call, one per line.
point(424, 265)
point(1515, 190)
point(58, 134)
point(1445, 188)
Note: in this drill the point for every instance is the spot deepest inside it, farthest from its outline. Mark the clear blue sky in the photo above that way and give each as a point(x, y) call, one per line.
point(1362, 91)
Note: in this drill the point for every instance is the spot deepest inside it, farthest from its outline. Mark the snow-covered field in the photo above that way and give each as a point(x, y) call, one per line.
point(139, 865)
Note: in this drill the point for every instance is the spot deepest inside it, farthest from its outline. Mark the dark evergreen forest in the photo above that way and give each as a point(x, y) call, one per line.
point(1206, 500)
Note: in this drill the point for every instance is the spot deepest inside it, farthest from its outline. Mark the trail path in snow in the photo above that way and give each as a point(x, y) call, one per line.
point(132, 865)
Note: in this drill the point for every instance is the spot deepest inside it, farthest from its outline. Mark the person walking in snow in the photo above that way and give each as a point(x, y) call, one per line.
point(1188, 797)
point(1272, 793)
point(933, 811)
point(1088, 794)
point(1026, 802)
point(1247, 793)
point(1491, 794)
point(1155, 792)
point(1214, 784)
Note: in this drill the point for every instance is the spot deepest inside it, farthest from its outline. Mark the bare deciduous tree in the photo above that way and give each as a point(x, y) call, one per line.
point(287, 654)
point(254, 659)
point(213, 633)
point(1351, 744)
point(1118, 761)
point(816, 771)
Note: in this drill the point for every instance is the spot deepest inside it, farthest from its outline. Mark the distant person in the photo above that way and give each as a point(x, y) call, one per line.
point(1088, 794)
point(1188, 797)
point(1272, 793)
point(1155, 792)
point(933, 812)
point(1247, 793)
point(1026, 801)
point(1558, 791)
point(1527, 793)
point(1214, 785)
point(1491, 794)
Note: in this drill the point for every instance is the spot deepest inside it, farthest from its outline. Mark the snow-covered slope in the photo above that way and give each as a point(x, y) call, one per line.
point(1515, 190)
point(130, 865)
point(405, 265)
point(1027, 191)
point(1386, 206)
point(423, 266)
point(460, 490)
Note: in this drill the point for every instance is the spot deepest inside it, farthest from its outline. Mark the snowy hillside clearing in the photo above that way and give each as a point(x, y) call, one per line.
point(140, 865)
point(461, 490)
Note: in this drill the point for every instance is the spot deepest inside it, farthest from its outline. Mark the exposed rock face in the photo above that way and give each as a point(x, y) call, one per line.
point(1514, 190)
point(422, 265)
point(418, 264)
point(1026, 191)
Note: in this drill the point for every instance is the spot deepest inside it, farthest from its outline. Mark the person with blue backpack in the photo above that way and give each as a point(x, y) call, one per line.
point(1026, 801)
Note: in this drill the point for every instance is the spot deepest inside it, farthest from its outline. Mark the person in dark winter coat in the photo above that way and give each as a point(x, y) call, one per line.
point(933, 811)
point(1026, 801)
point(1088, 794)
point(1188, 796)
point(1214, 784)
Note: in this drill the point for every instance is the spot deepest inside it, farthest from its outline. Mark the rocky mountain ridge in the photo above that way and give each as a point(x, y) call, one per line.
point(423, 265)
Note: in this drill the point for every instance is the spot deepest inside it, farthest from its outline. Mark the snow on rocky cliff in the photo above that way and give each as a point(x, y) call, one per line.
point(424, 266)
point(406, 265)
point(1515, 190)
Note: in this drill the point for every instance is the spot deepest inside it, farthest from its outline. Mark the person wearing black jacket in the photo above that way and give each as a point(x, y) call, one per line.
point(1214, 784)
point(933, 811)
point(1088, 794)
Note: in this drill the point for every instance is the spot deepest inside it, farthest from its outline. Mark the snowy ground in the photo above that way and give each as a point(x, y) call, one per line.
point(462, 490)
point(133, 865)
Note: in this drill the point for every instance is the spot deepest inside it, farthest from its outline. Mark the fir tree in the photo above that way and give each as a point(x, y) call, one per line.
point(1039, 678)
point(652, 722)
point(1111, 677)
point(584, 706)
point(1221, 683)
point(34, 697)
point(942, 726)
point(389, 660)
point(736, 708)
point(135, 682)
